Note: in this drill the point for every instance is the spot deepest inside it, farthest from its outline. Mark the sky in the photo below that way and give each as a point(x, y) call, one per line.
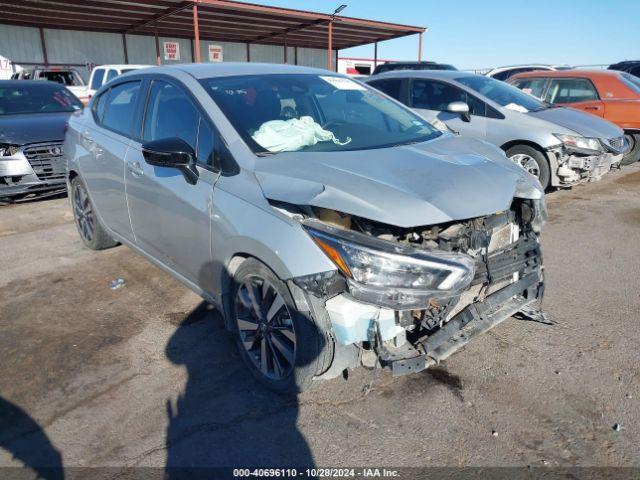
point(475, 34)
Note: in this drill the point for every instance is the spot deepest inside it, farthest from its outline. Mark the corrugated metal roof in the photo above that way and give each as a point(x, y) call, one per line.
point(223, 20)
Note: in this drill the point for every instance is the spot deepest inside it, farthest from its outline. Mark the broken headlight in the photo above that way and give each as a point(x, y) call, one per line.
point(578, 142)
point(390, 274)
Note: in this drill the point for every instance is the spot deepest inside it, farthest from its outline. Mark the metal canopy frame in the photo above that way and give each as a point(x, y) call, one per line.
point(217, 20)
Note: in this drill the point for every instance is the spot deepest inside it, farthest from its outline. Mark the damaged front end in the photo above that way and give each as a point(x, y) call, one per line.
point(407, 298)
point(580, 159)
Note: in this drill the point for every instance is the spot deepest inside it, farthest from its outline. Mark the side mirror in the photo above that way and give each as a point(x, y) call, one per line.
point(172, 153)
point(461, 108)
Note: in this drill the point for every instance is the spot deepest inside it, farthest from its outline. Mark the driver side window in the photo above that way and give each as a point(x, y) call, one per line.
point(432, 95)
point(170, 113)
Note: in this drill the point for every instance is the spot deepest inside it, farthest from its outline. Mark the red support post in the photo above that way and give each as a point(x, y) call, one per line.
point(155, 33)
point(330, 47)
point(196, 31)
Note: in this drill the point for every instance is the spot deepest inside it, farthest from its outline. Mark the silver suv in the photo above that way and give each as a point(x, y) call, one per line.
point(332, 226)
point(560, 146)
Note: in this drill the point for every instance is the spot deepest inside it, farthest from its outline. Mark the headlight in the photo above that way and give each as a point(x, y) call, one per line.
point(579, 142)
point(388, 274)
point(7, 150)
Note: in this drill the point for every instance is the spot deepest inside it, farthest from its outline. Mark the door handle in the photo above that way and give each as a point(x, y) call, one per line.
point(592, 108)
point(135, 169)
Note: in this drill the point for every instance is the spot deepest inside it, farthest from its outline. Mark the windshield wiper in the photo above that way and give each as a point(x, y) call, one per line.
point(265, 154)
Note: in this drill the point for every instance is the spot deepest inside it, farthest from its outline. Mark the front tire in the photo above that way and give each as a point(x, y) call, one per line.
point(285, 349)
point(633, 155)
point(533, 161)
point(91, 231)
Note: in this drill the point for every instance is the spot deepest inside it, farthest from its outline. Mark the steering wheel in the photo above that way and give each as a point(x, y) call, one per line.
point(337, 123)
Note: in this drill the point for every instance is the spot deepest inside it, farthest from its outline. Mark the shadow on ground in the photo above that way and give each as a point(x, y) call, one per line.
point(27, 442)
point(224, 418)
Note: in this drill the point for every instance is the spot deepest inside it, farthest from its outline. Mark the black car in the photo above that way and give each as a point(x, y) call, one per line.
point(387, 67)
point(629, 66)
point(33, 115)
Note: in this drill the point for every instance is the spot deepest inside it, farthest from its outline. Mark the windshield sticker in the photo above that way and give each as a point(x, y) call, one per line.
point(342, 83)
point(516, 107)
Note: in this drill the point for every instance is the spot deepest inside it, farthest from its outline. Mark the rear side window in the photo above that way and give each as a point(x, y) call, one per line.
point(96, 80)
point(571, 90)
point(170, 113)
point(391, 87)
point(120, 107)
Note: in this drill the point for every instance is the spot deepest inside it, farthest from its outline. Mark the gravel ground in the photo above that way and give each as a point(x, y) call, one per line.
point(145, 375)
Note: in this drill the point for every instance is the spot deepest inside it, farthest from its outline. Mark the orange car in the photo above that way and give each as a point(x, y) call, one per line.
point(612, 95)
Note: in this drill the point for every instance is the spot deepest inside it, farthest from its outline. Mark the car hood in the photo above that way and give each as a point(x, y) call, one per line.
point(450, 178)
point(32, 128)
point(582, 123)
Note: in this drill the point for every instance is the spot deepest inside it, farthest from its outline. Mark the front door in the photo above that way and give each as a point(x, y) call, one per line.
point(171, 218)
point(430, 99)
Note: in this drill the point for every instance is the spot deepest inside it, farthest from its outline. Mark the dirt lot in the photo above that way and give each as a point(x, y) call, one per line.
point(146, 376)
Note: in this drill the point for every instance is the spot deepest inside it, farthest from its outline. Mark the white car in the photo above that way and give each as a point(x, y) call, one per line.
point(103, 74)
point(503, 73)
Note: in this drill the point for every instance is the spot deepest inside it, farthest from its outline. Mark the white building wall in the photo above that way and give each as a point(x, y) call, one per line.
point(81, 47)
point(141, 49)
point(74, 46)
point(20, 43)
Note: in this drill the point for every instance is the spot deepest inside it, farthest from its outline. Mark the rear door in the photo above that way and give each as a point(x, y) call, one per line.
point(430, 98)
point(107, 140)
point(578, 93)
point(170, 217)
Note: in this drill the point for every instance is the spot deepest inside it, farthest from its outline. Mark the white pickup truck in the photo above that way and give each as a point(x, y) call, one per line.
point(102, 74)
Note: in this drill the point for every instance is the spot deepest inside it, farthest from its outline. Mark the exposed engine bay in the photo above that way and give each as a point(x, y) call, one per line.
point(407, 332)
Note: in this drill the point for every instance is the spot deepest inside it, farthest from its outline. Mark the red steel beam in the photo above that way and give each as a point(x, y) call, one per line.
point(330, 46)
point(196, 31)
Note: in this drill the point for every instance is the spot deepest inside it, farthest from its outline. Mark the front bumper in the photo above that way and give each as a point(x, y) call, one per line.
point(34, 168)
point(575, 168)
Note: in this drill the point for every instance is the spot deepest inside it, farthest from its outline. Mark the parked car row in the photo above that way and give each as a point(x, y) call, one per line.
point(559, 146)
point(609, 94)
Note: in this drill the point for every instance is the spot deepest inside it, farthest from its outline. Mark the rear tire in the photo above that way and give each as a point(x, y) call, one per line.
point(284, 349)
point(533, 161)
point(633, 155)
point(91, 231)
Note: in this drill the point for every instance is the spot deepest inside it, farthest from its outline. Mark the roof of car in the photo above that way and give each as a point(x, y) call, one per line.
point(569, 74)
point(448, 74)
point(227, 69)
point(22, 83)
point(123, 66)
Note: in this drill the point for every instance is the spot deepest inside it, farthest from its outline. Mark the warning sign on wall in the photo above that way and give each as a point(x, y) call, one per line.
point(215, 53)
point(171, 51)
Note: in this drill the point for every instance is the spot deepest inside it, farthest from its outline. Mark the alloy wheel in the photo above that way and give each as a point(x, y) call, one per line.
point(528, 163)
point(83, 213)
point(266, 327)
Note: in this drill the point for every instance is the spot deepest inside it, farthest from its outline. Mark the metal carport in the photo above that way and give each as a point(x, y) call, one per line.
point(218, 20)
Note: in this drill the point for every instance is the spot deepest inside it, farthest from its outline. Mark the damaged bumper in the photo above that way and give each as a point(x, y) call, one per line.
point(32, 169)
point(575, 168)
point(507, 279)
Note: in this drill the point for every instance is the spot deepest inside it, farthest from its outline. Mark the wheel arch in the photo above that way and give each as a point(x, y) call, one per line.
point(551, 158)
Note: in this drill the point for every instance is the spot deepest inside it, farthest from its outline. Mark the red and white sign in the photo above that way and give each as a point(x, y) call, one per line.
point(215, 53)
point(171, 51)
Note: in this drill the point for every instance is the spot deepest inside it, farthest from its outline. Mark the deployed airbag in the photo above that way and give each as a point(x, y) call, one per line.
point(292, 135)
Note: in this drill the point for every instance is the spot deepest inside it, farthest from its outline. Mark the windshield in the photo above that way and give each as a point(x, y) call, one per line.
point(503, 94)
point(631, 81)
point(319, 113)
point(38, 97)
point(70, 78)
